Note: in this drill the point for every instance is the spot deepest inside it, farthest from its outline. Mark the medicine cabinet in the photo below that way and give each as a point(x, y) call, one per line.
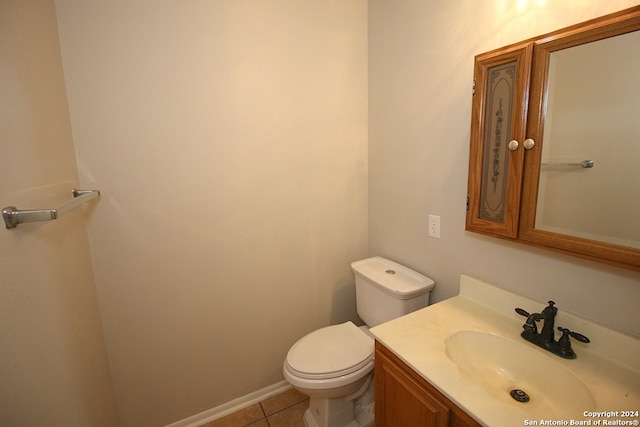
point(555, 141)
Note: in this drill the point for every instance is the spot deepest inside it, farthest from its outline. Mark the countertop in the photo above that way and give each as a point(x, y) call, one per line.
point(609, 366)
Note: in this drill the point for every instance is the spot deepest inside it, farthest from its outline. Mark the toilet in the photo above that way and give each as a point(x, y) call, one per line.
point(334, 365)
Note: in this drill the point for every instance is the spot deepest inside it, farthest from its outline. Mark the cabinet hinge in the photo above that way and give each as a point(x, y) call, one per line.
point(467, 203)
point(474, 87)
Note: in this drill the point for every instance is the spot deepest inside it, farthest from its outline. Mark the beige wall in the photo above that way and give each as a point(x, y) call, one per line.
point(53, 365)
point(229, 139)
point(420, 75)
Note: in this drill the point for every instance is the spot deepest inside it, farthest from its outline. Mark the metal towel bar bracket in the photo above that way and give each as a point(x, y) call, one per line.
point(12, 216)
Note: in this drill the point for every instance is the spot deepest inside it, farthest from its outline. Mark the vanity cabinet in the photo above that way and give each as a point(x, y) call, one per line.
point(526, 98)
point(403, 398)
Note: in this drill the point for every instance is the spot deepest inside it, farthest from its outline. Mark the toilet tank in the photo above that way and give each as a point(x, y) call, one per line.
point(386, 290)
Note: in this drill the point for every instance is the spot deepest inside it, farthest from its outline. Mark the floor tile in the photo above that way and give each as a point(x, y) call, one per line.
point(283, 400)
point(290, 417)
point(241, 418)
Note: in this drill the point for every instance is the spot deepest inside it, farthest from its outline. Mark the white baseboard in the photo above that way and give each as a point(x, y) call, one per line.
point(232, 406)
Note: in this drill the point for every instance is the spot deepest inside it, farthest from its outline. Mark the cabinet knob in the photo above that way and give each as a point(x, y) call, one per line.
point(513, 145)
point(529, 143)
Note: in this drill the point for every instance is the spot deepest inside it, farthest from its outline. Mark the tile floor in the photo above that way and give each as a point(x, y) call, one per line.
point(282, 410)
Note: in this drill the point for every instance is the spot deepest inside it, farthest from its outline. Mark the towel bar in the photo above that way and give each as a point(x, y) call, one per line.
point(12, 216)
point(584, 164)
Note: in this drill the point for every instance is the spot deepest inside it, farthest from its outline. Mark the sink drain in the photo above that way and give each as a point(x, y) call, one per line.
point(520, 395)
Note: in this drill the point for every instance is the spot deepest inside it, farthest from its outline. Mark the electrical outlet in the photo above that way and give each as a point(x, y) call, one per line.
point(434, 226)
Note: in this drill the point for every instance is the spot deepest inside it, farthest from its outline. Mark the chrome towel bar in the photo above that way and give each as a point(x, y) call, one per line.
point(13, 217)
point(585, 164)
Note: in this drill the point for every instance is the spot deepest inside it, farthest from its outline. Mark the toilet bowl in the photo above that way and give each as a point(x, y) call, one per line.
point(334, 365)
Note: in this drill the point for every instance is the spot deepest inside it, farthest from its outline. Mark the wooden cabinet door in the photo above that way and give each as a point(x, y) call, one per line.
point(404, 398)
point(578, 224)
point(498, 126)
point(402, 402)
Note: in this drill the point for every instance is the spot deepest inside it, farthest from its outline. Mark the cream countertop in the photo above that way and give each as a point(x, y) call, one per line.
point(609, 366)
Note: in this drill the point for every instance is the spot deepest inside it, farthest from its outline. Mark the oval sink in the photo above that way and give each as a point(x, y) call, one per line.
point(505, 368)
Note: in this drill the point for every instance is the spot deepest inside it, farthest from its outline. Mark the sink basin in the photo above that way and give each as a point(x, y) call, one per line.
point(505, 367)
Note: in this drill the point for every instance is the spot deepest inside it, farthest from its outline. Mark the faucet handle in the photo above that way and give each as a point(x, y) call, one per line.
point(525, 313)
point(575, 335)
point(530, 325)
point(564, 343)
point(579, 337)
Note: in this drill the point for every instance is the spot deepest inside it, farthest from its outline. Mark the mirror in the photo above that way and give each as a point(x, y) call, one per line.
point(589, 183)
point(569, 149)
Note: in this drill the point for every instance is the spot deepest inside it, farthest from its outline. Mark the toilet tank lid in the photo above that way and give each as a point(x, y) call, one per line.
point(393, 278)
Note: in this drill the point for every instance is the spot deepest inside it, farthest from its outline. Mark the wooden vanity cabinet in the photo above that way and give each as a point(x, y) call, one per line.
point(404, 398)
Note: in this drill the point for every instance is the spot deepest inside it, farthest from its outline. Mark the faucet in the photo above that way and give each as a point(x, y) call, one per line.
point(549, 316)
point(546, 338)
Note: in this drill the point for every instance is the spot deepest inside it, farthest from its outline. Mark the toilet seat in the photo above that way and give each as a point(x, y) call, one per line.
point(331, 352)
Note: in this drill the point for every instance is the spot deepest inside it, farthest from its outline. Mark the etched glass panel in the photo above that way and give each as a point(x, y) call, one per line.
point(497, 130)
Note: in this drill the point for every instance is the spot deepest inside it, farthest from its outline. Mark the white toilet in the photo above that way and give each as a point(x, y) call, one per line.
point(334, 365)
